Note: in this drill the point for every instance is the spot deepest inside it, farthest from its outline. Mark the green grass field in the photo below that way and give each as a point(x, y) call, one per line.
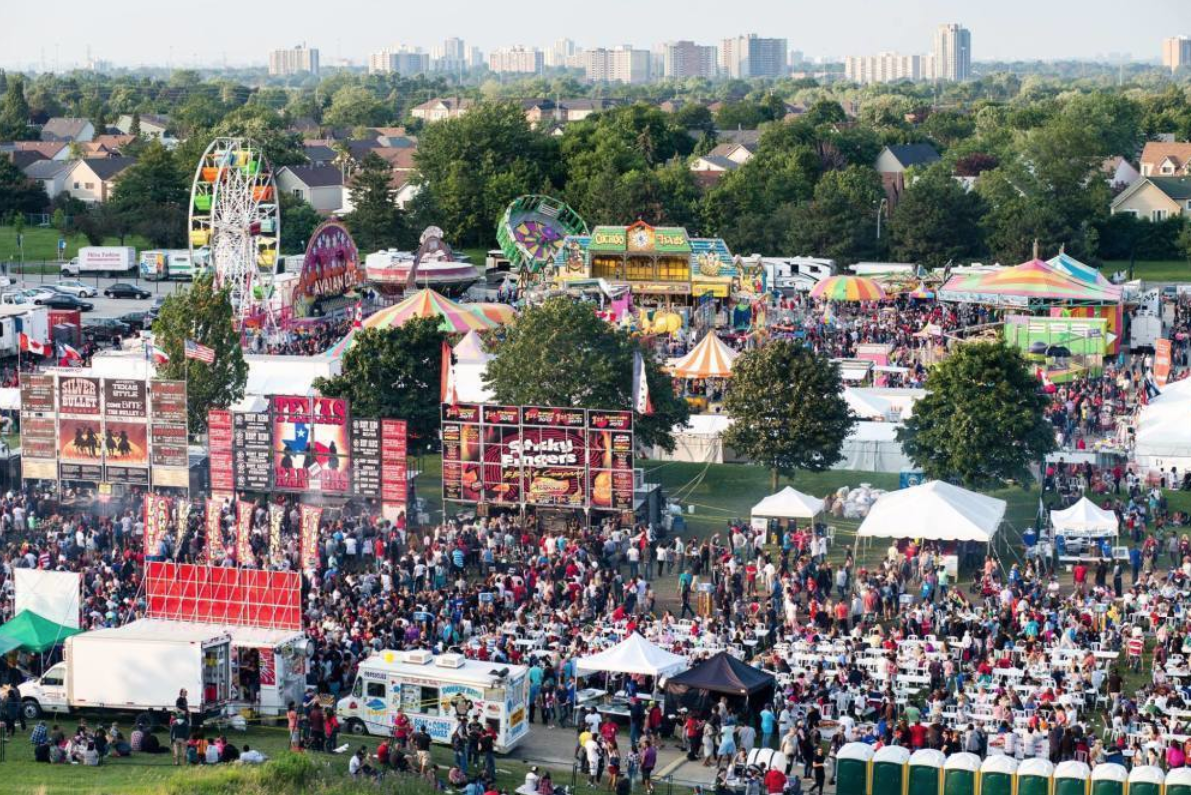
point(1156, 271)
point(41, 244)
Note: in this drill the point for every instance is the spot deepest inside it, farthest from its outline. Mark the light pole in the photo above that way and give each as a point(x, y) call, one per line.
point(880, 210)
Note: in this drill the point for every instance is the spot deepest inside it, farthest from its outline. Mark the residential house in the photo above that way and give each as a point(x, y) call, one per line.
point(1155, 198)
point(1119, 173)
point(22, 158)
point(92, 179)
point(711, 167)
point(580, 109)
point(751, 138)
point(894, 161)
point(113, 143)
point(671, 105)
point(319, 154)
point(320, 186)
point(737, 153)
point(51, 174)
point(394, 136)
point(1166, 159)
point(153, 125)
point(442, 108)
point(50, 150)
point(61, 128)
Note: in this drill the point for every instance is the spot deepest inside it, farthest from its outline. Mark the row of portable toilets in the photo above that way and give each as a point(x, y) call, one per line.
point(893, 770)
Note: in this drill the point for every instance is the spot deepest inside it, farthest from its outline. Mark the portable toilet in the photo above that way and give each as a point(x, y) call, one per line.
point(960, 773)
point(926, 767)
point(1178, 781)
point(1034, 775)
point(997, 774)
point(889, 771)
point(1146, 780)
point(851, 768)
point(1109, 779)
point(1071, 778)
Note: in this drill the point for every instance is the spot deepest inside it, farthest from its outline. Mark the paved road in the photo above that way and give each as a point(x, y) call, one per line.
point(111, 307)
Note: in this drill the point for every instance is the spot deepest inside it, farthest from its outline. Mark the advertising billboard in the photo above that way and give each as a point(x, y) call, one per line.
point(39, 428)
point(535, 455)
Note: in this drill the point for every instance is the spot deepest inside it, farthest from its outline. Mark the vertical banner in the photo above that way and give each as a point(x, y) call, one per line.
point(293, 452)
point(276, 514)
point(157, 522)
point(39, 428)
point(183, 519)
point(243, 531)
point(394, 475)
point(80, 429)
point(215, 550)
point(310, 520)
point(219, 438)
point(1162, 361)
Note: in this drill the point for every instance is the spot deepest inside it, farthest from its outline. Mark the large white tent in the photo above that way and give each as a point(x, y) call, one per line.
point(936, 511)
point(873, 447)
point(1084, 518)
point(633, 655)
point(789, 503)
point(471, 364)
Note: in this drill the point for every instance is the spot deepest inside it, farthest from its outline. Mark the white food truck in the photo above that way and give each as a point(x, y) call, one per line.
point(138, 668)
point(425, 687)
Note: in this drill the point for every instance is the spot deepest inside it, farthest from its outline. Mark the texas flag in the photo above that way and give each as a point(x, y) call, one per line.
point(30, 345)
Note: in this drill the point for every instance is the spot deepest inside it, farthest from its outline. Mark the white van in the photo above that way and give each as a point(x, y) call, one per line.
point(425, 687)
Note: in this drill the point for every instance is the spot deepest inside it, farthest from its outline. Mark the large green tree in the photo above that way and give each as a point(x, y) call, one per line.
point(936, 221)
point(375, 221)
point(787, 408)
point(298, 222)
point(14, 112)
point(982, 419)
point(394, 373)
point(18, 193)
point(153, 195)
point(202, 314)
point(561, 354)
point(841, 221)
point(471, 167)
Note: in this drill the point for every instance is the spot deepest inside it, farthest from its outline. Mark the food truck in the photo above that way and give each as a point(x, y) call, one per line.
point(426, 687)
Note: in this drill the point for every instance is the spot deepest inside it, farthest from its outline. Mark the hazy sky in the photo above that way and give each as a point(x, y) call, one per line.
point(184, 33)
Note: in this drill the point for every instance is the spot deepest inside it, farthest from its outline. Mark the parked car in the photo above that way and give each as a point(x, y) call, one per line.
point(125, 290)
point(66, 301)
point(105, 329)
point(137, 321)
point(75, 287)
point(37, 294)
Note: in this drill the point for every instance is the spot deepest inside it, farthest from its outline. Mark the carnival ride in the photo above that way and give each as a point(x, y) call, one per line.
point(432, 266)
point(330, 269)
point(235, 222)
point(532, 232)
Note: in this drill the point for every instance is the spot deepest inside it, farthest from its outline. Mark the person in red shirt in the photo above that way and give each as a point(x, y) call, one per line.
point(1080, 575)
point(775, 781)
point(918, 735)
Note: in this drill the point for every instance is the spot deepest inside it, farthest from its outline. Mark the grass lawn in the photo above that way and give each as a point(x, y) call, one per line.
point(41, 244)
point(1155, 271)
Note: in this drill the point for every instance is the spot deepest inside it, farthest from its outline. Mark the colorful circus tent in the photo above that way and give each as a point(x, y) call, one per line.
point(848, 288)
point(711, 358)
point(454, 318)
point(1065, 263)
point(1029, 284)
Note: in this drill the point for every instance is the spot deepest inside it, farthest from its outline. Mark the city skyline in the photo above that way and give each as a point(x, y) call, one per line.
point(1009, 30)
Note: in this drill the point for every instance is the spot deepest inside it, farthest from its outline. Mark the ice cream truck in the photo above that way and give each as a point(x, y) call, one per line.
point(427, 687)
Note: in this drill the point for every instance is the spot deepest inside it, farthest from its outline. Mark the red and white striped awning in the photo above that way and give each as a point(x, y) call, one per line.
point(711, 358)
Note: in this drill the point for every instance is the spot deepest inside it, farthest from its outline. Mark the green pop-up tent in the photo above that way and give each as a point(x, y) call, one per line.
point(31, 632)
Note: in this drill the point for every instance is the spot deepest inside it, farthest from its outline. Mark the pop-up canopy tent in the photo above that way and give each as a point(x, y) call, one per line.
point(711, 358)
point(633, 655)
point(722, 675)
point(789, 503)
point(934, 511)
point(31, 632)
point(1084, 518)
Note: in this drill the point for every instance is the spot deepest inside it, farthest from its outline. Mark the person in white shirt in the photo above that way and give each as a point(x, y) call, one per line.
point(251, 757)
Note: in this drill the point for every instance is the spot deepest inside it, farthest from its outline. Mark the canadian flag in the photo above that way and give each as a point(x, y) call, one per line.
point(70, 354)
point(358, 317)
point(449, 393)
point(30, 345)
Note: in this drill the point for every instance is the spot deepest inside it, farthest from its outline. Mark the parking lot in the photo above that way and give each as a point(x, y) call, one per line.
point(107, 307)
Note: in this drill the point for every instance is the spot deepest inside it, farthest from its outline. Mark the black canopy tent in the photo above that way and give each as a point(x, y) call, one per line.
point(699, 688)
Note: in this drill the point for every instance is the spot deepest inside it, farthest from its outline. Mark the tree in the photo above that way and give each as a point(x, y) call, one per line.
point(14, 113)
point(936, 221)
point(152, 195)
point(982, 420)
point(394, 373)
point(787, 408)
point(841, 221)
point(375, 221)
point(299, 221)
point(1185, 240)
point(202, 314)
point(18, 193)
point(561, 354)
point(825, 111)
point(352, 106)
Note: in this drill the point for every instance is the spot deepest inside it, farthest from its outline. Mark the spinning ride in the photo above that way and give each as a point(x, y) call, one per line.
point(234, 219)
point(533, 229)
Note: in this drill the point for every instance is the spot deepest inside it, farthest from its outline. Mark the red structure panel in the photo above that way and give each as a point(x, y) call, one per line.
point(221, 595)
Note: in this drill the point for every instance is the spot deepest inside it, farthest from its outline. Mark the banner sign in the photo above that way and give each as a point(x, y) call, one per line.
point(157, 522)
point(394, 471)
point(1162, 361)
point(1059, 348)
point(223, 595)
point(215, 550)
point(310, 444)
point(536, 455)
point(39, 428)
point(219, 440)
point(169, 462)
point(244, 511)
point(366, 457)
point(182, 519)
point(310, 517)
point(276, 515)
point(250, 450)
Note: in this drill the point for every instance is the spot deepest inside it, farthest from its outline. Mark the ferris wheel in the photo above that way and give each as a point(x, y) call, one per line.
point(235, 225)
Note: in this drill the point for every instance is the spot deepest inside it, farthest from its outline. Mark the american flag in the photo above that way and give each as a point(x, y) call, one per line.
point(200, 352)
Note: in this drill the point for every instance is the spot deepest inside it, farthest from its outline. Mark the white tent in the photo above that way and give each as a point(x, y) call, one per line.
point(935, 510)
point(882, 404)
point(789, 503)
point(633, 655)
point(873, 447)
point(287, 375)
point(471, 364)
point(471, 349)
point(1084, 517)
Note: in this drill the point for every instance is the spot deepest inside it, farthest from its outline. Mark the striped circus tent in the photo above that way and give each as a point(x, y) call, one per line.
point(711, 358)
point(500, 313)
point(456, 318)
point(848, 288)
